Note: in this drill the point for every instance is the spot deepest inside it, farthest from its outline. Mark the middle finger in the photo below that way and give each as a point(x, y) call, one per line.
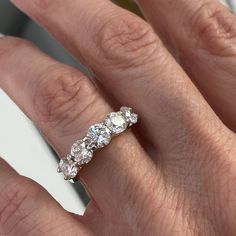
point(131, 62)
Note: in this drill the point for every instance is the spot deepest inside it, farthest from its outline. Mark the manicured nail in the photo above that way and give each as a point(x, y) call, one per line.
point(1, 35)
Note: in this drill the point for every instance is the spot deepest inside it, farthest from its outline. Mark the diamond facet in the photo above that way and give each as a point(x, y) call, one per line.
point(68, 168)
point(129, 115)
point(80, 152)
point(100, 135)
point(116, 122)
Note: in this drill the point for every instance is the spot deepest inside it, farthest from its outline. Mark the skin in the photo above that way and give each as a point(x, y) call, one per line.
point(175, 172)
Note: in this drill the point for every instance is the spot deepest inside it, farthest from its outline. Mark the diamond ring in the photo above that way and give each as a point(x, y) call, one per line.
point(97, 137)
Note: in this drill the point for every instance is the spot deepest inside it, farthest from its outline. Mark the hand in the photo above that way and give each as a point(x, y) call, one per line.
point(175, 173)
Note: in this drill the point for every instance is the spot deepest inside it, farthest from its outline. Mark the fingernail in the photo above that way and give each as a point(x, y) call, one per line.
point(1, 35)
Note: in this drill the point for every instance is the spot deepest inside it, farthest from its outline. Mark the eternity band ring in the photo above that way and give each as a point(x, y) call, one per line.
point(97, 137)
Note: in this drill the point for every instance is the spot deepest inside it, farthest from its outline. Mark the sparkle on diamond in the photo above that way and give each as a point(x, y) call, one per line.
point(80, 152)
point(129, 115)
point(100, 135)
point(68, 168)
point(116, 122)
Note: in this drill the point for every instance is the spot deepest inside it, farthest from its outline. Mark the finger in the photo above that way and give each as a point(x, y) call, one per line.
point(203, 36)
point(63, 104)
point(27, 209)
point(131, 61)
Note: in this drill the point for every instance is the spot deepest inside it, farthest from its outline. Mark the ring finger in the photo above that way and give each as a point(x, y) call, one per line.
point(64, 103)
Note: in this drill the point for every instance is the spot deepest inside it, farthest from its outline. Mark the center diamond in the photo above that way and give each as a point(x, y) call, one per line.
point(116, 122)
point(100, 135)
point(80, 152)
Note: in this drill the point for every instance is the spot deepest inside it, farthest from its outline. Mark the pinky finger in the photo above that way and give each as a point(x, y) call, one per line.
point(27, 209)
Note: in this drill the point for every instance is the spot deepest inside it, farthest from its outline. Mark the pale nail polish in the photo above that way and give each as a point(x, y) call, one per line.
point(1, 35)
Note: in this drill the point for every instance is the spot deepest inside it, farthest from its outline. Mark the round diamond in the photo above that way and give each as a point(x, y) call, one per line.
point(100, 135)
point(129, 115)
point(68, 168)
point(80, 152)
point(133, 118)
point(116, 122)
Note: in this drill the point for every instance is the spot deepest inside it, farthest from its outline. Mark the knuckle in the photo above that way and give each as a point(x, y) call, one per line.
point(17, 205)
point(214, 27)
point(126, 41)
point(61, 95)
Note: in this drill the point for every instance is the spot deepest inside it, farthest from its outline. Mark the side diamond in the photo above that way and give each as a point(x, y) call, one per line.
point(116, 122)
point(80, 152)
point(129, 115)
point(100, 135)
point(68, 168)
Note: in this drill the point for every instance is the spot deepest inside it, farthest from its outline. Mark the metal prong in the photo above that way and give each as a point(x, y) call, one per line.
point(66, 178)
